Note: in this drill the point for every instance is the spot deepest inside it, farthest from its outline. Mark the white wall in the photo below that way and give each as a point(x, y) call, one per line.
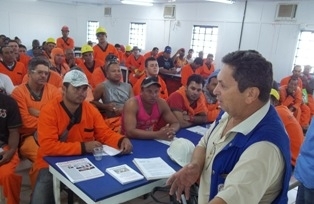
point(277, 41)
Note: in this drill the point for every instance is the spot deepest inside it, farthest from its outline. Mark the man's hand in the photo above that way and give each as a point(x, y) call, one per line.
point(34, 112)
point(186, 116)
point(182, 180)
point(166, 133)
point(89, 146)
point(126, 146)
point(6, 156)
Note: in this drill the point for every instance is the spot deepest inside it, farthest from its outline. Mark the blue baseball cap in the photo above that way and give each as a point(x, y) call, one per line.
point(167, 49)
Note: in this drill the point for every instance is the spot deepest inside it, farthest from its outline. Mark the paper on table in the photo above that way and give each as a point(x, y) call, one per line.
point(110, 151)
point(166, 142)
point(153, 168)
point(124, 174)
point(79, 170)
point(198, 130)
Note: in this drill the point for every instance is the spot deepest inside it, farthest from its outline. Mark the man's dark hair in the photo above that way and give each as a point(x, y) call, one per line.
point(22, 46)
point(155, 48)
point(37, 61)
point(117, 45)
point(148, 60)
point(251, 69)
point(196, 78)
point(191, 50)
point(198, 61)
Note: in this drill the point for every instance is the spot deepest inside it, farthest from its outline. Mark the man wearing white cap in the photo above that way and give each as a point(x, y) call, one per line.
point(70, 126)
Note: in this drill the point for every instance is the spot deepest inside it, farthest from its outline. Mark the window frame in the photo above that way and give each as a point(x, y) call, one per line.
point(91, 31)
point(204, 38)
point(139, 38)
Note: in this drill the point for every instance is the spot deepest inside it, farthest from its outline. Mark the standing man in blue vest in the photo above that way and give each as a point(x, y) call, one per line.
point(244, 157)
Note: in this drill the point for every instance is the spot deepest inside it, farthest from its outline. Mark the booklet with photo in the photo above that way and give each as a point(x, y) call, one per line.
point(153, 168)
point(79, 170)
point(124, 174)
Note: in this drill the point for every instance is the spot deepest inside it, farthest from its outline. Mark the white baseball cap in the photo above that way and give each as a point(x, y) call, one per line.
point(76, 78)
point(181, 151)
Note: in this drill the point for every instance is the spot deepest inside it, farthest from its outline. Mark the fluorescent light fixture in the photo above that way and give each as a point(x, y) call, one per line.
point(138, 3)
point(223, 1)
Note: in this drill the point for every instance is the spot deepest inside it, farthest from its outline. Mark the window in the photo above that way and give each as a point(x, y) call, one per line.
point(91, 31)
point(137, 35)
point(204, 38)
point(305, 49)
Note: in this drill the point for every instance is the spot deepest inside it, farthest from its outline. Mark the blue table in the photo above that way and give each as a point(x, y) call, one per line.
point(108, 190)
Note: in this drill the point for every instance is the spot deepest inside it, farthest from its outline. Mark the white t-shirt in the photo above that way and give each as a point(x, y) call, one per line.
point(6, 84)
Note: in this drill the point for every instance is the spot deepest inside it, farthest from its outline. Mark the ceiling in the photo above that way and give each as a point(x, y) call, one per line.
point(117, 2)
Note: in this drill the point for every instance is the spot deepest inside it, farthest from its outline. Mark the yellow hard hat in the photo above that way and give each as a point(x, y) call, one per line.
point(128, 48)
point(86, 48)
point(101, 30)
point(51, 40)
point(274, 93)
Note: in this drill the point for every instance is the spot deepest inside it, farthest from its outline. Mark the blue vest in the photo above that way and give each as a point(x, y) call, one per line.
point(269, 129)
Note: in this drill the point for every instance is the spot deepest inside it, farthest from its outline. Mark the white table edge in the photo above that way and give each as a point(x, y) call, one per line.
point(122, 197)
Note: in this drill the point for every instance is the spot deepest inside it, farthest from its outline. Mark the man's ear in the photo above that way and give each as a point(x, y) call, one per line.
point(252, 94)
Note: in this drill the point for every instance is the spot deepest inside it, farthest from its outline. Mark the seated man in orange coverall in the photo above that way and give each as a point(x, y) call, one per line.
point(10, 121)
point(69, 125)
point(291, 96)
point(31, 97)
point(291, 125)
point(151, 69)
point(188, 103)
point(211, 98)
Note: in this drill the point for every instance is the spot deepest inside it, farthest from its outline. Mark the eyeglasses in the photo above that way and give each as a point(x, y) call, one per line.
point(39, 72)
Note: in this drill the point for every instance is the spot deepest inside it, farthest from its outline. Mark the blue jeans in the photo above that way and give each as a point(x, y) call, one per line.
point(43, 192)
point(305, 195)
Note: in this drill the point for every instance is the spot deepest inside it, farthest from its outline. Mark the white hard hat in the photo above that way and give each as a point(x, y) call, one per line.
point(181, 151)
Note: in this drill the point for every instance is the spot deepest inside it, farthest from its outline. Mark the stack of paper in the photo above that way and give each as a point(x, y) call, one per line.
point(154, 168)
point(124, 174)
point(79, 170)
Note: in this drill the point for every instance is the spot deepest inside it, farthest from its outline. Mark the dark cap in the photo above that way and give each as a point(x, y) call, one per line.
point(167, 49)
point(148, 81)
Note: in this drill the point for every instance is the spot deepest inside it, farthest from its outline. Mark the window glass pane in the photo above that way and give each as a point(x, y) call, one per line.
point(305, 49)
point(204, 38)
point(91, 31)
point(137, 34)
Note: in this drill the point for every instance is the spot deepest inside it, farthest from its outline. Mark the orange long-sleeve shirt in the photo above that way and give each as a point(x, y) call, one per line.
point(53, 120)
point(54, 79)
point(163, 89)
point(288, 100)
point(293, 129)
point(285, 81)
point(186, 71)
point(24, 59)
point(213, 111)
point(149, 54)
point(65, 43)
point(101, 54)
point(16, 74)
point(25, 101)
point(63, 70)
point(89, 72)
point(98, 77)
point(132, 64)
point(205, 71)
